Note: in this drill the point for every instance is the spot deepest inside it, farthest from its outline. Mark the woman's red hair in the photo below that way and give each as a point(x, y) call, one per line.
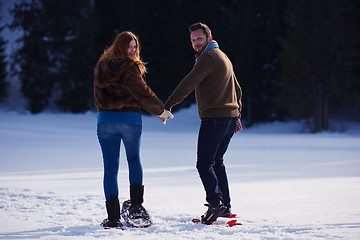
point(118, 51)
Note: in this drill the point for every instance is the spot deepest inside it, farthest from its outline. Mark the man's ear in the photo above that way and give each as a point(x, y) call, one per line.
point(210, 38)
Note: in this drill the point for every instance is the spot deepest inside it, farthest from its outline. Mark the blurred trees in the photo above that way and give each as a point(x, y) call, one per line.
point(306, 70)
point(56, 56)
point(34, 67)
point(320, 43)
point(3, 63)
point(248, 34)
point(76, 46)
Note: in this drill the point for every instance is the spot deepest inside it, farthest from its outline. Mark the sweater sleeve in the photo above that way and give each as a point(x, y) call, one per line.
point(238, 94)
point(202, 69)
point(142, 93)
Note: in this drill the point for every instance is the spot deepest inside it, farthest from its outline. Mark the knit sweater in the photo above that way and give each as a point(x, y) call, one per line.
point(119, 87)
point(217, 92)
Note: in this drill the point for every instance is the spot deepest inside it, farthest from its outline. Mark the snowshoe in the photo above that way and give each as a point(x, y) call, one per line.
point(135, 215)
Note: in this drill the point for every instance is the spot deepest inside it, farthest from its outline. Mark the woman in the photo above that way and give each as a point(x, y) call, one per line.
point(120, 92)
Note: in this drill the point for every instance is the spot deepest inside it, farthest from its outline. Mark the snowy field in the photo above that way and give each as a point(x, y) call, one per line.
point(284, 184)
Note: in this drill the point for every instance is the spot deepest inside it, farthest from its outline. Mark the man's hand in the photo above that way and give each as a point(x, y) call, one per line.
point(165, 115)
point(238, 126)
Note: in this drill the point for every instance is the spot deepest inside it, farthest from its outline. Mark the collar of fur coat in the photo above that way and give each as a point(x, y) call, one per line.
point(105, 77)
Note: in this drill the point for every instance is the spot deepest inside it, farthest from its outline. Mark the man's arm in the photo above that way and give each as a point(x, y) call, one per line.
point(202, 68)
point(238, 94)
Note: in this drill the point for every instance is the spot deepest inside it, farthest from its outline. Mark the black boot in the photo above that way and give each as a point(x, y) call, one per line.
point(216, 209)
point(113, 211)
point(136, 194)
point(137, 198)
point(227, 213)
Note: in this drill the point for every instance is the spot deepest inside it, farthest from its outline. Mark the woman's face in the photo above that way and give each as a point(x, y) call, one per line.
point(132, 48)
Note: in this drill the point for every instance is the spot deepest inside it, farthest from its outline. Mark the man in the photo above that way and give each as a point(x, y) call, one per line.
point(218, 96)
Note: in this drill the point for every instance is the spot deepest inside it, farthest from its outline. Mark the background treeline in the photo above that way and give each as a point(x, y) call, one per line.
point(295, 59)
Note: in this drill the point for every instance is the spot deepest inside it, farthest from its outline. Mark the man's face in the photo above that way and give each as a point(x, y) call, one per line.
point(199, 40)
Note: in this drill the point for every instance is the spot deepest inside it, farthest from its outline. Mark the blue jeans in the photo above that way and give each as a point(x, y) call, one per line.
point(214, 138)
point(110, 135)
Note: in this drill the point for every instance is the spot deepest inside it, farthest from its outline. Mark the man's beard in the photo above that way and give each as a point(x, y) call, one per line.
point(202, 49)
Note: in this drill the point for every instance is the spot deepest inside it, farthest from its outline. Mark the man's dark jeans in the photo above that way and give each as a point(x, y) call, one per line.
point(214, 138)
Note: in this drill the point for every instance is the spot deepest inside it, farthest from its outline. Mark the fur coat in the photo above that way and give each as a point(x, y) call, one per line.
point(119, 87)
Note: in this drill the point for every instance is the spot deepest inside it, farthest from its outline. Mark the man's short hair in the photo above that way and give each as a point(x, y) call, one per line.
point(203, 26)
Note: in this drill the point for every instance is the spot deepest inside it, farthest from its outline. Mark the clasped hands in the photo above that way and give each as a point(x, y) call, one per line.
point(165, 115)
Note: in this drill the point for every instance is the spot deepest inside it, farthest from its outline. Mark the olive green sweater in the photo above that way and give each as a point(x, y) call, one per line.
point(217, 92)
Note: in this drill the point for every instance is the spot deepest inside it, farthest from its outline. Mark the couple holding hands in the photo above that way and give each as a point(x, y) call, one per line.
point(120, 92)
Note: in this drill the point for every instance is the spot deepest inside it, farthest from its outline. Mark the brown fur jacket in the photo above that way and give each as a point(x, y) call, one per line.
point(119, 87)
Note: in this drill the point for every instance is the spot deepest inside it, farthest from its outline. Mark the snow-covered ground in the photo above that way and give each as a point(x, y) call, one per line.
point(284, 184)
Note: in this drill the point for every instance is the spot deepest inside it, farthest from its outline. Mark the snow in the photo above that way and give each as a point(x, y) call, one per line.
point(284, 184)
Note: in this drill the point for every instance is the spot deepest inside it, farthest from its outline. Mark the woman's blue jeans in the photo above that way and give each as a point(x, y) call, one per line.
point(214, 138)
point(110, 135)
